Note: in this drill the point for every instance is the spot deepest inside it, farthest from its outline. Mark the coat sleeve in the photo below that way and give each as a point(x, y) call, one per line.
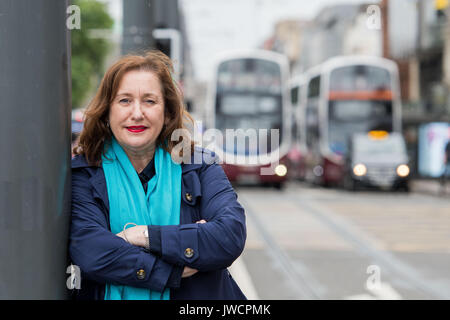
point(217, 243)
point(100, 254)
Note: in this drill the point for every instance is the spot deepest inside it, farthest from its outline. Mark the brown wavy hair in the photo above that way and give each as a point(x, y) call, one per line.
point(96, 132)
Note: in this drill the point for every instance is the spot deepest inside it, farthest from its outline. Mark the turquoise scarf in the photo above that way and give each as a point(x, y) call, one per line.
point(129, 203)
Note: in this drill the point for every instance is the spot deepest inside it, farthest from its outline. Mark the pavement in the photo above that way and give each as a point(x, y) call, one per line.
point(430, 187)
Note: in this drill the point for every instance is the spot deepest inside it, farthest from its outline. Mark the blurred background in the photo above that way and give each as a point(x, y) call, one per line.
point(353, 199)
point(412, 34)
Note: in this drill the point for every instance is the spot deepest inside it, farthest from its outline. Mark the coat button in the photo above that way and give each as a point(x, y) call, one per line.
point(188, 196)
point(189, 253)
point(140, 274)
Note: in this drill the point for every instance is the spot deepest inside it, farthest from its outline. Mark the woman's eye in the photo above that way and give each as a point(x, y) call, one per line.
point(124, 101)
point(150, 101)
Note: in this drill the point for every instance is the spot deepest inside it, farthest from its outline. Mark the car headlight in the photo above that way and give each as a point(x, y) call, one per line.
point(280, 170)
point(359, 170)
point(403, 170)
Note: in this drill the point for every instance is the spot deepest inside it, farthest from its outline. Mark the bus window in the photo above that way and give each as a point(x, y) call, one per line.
point(312, 124)
point(351, 110)
point(249, 74)
point(314, 87)
point(294, 96)
point(359, 77)
point(312, 117)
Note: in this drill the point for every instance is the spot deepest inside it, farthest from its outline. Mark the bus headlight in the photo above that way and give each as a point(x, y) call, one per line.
point(359, 170)
point(280, 170)
point(403, 170)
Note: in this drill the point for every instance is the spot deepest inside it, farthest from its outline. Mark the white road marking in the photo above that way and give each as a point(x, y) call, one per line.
point(240, 274)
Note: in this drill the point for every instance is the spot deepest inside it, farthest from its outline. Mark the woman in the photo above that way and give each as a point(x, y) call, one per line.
point(186, 224)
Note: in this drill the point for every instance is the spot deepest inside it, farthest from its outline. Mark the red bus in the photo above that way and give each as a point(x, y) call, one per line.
point(249, 105)
point(343, 96)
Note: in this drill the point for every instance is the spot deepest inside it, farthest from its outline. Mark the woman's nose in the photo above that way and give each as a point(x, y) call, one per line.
point(137, 112)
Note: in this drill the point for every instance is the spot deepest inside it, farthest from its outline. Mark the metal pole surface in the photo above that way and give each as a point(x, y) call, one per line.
point(34, 148)
point(138, 24)
point(166, 14)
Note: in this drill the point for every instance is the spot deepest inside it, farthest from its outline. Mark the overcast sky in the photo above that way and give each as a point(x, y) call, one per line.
point(218, 25)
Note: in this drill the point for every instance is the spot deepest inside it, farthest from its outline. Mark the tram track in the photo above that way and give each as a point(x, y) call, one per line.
point(303, 284)
point(363, 244)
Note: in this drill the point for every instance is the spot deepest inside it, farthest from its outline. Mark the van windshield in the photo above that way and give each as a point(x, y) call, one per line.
point(392, 145)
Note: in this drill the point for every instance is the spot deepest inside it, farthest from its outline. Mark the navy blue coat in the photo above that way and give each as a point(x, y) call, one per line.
point(106, 258)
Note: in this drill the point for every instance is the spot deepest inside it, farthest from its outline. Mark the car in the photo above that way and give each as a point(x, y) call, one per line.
point(77, 122)
point(77, 126)
point(377, 159)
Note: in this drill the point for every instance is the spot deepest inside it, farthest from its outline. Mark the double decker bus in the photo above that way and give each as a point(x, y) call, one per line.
point(249, 106)
point(297, 152)
point(346, 95)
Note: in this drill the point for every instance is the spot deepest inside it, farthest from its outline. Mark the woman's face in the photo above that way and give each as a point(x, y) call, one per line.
point(136, 115)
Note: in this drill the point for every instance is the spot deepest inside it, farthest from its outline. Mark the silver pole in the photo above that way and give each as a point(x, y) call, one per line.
point(138, 24)
point(34, 148)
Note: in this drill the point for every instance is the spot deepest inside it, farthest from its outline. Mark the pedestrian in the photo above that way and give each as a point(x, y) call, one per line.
point(144, 226)
point(446, 173)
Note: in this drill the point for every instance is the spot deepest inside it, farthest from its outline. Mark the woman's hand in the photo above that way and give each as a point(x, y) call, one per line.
point(135, 236)
point(188, 272)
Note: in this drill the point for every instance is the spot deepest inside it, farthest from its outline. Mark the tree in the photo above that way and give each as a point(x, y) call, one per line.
point(88, 53)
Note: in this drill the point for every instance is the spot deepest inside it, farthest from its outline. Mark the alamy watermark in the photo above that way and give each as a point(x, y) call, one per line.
point(74, 281)
point(74, 20)
point(373, 21)
point(377, 288)
point(374, 280)
point(257, 147)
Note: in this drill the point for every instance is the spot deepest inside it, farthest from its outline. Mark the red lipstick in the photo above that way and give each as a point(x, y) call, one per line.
point(136, 129)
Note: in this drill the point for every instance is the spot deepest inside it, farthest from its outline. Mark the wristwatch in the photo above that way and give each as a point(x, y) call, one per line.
point(147, 240)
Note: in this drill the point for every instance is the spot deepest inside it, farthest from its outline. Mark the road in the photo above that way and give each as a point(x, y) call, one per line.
point(312, 243)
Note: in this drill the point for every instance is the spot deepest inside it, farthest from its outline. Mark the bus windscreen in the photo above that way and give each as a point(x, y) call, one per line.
point(249, 75)
point(360, 78)
point(360, 99)
point(348, 117)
